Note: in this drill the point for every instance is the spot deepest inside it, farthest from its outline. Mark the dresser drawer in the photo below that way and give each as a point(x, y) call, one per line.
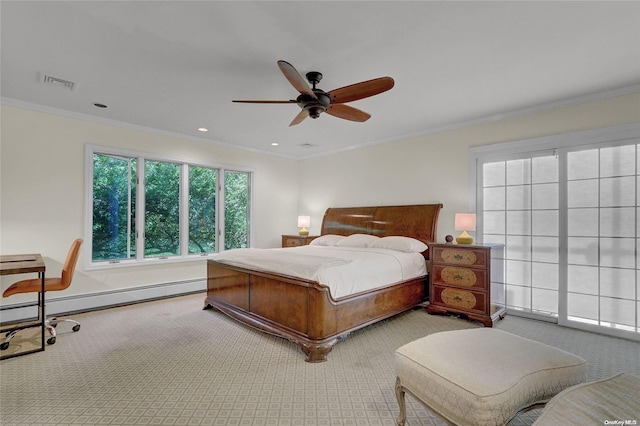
point(460, 256)
point(459, 299)
point(459, 276)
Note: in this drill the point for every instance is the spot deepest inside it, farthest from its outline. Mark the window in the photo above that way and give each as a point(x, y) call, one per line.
point(161, 209)
point(175, 204)
point(236, 210)
point(114, 194)
point(568, 210)
point(203, 184)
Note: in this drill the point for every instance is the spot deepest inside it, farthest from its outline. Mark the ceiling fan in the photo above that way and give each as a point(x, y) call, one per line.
point(314, 101)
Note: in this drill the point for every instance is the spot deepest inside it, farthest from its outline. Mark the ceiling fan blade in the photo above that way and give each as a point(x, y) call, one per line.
point(347, 112)
point(361, 90)
point(296, 79)
point(299, 118)
point(264, 102)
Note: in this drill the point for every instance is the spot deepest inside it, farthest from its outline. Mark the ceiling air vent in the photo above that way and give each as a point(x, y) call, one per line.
point(50, 80)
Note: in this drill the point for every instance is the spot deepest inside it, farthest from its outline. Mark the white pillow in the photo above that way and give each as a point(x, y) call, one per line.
point(358, 240)
point(406, 244)
point(327, 240)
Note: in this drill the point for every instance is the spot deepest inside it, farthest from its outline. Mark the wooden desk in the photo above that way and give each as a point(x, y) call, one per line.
point(23, 264)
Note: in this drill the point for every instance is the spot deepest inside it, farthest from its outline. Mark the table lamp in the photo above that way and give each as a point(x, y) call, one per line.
point(303, 222)
point(465, 222)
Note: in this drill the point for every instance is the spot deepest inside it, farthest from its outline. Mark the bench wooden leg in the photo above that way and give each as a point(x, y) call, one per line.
point(402, 418)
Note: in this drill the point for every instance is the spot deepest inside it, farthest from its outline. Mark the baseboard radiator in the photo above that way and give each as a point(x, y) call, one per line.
point(94, 301)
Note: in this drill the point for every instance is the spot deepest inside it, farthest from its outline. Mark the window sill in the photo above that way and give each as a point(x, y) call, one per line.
point(152, 261)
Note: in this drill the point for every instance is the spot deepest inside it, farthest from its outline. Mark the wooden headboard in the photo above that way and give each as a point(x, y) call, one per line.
point(419, 221)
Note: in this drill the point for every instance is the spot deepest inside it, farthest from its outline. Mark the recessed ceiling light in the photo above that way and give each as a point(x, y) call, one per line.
point(203, 129)
point(274, 144)
point(99, 105)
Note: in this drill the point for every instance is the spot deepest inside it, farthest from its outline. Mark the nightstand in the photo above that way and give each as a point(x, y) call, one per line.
point(468, 280)
point(297, 240)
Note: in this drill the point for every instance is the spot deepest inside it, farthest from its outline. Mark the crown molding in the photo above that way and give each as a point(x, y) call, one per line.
point(126, 125)
point(592, 97)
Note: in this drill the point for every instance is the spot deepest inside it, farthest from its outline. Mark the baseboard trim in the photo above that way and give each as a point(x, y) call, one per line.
point(94, 301)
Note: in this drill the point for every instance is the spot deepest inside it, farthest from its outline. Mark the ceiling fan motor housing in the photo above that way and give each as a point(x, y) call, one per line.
point(314, 107)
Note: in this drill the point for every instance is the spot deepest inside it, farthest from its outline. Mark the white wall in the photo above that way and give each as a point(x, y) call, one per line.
point(434, 168)
point(42, 194)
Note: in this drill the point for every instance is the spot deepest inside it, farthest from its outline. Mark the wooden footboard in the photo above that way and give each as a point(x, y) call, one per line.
point(303, 311)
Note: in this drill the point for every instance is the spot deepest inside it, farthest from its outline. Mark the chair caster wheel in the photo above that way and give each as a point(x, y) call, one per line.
point(76, 327)
point(51, 340)
point(4, 346)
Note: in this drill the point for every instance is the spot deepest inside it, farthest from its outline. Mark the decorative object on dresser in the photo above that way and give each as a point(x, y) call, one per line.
point(304, 310)
point(297, 240)
point(468, 280)
point(465, 222)
point(303, 222)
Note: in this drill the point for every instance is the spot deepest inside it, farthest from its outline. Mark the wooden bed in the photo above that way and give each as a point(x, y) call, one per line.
point(303, 311)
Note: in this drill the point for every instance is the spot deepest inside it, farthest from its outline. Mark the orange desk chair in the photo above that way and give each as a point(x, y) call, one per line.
point(50, 284)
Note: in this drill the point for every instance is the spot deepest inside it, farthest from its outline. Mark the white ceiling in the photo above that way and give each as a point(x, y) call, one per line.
point(175, 66)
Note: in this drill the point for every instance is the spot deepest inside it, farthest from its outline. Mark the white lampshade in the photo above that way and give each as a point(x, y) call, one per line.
point(465, 222)
point(304, 221)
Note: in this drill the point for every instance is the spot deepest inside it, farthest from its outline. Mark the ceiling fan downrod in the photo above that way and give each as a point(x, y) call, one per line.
point(314, 107)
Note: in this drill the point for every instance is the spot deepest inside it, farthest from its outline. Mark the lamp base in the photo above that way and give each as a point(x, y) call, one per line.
point(303, 232)
point(464, 238)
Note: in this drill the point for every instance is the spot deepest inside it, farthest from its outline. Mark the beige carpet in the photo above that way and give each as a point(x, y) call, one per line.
point(169, 362)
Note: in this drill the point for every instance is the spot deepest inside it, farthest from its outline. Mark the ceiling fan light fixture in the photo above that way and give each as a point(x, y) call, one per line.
point(315, 111)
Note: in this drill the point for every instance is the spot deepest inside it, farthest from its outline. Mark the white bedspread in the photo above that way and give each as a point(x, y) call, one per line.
point(345, 270)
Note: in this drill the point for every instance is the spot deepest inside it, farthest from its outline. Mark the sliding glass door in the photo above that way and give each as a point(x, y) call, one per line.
point(570, 220)
point(520, 208)
point(602, 237)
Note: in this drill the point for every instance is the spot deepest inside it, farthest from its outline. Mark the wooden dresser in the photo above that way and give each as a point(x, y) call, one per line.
point(297, 240)
point(467, 280)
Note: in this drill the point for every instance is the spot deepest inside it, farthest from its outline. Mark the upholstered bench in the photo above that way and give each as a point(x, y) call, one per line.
point(615, 400)
point(482, 376)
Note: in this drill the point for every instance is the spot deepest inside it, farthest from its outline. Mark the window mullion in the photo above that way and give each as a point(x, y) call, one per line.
point(563, 248)
point(129, 206)
point(220, 220)
point(184, 210)
point(140, 209)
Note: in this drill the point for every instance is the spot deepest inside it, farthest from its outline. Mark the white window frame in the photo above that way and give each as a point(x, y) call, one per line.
point(140, 260)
